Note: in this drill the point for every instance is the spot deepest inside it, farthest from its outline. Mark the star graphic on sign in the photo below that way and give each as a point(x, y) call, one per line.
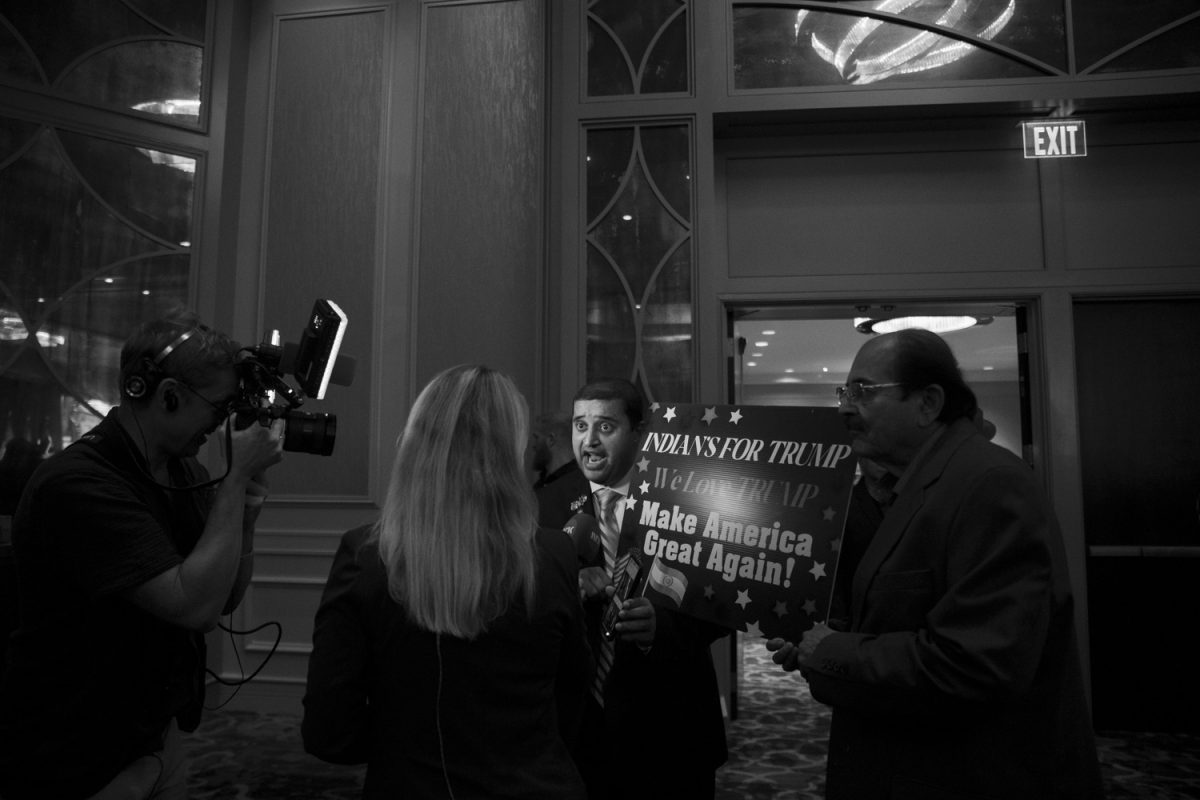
point(735, 416)
point(670, 415)
point(643, 465)
point(829, 514)
point(644, 487)
point(810, 606)
point(752, 629)
point(653, 407)
point(781, 609)
point(630, 502)
point(743, 599)
point(835, 545)
point(818, 570)
point(709, 592)
point(710, 414)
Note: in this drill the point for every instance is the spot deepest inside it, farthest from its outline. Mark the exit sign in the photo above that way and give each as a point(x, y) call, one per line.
point(1055, 138)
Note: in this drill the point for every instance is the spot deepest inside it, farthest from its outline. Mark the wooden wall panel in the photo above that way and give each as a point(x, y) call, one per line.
point(315, 223)
point(883, 213)
point(1133, 206)
point(394, 162)
point(481, 189)
point(322, 217)
point(290, 568)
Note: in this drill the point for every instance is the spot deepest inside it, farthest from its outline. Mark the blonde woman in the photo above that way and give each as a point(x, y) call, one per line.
point(448, 650)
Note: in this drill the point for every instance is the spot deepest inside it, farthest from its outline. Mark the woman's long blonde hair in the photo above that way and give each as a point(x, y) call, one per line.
point(456, 533)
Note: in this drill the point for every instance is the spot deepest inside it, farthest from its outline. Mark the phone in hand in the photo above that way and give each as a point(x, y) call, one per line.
point(627, 578)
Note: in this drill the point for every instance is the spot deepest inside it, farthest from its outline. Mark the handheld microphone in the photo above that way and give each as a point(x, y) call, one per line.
point(584, 531)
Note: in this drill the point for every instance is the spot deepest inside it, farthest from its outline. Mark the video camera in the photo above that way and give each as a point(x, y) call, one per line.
point(265, 396)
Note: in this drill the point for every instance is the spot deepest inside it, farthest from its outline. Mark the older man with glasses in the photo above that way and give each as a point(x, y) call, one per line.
point(959, 674)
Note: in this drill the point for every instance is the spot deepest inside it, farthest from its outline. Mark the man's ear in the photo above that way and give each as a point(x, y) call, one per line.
point(933, 399)
point(168, 393)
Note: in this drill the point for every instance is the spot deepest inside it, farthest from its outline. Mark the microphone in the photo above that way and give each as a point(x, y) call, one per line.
point(584, 531)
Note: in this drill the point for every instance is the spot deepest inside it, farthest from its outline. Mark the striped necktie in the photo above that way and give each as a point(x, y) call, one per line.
point(610, 530)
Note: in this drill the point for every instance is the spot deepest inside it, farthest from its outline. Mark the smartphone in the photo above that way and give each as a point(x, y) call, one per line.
point(627, 577)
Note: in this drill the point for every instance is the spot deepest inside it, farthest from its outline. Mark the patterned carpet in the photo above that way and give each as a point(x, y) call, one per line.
point(777, 752)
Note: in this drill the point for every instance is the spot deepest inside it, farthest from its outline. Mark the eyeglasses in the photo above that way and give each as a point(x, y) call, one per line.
point(855, 392)
point(223, 410)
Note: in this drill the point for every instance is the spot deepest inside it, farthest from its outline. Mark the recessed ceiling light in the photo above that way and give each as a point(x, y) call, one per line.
point(756, 355)
point(751, 363)
point(768, 333)
point(762, 344)
point(937, 324)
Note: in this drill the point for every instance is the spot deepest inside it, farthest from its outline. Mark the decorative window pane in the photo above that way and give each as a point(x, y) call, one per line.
point(639, 237)
point(667, 330)
point(1103, 27)
point(1173, 47)
point(186, 19)
point(611, 323)
point(637, 47)
point(93, 240)
point(153, 77)
point(609, 151)
point(143, 55)
point(922, 40)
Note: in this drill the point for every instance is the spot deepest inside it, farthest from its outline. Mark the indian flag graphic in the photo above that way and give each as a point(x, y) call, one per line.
point(668, 581)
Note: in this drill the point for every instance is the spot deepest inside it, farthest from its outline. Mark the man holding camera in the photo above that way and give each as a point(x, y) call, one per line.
point(126, 554)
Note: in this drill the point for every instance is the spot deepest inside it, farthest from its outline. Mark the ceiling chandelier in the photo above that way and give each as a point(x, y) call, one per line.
point(865, 49)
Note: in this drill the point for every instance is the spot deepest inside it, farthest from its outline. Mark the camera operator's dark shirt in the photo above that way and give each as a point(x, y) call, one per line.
point(93, 680)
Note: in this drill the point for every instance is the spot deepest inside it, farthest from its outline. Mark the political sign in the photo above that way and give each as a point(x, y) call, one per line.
point(740, 512)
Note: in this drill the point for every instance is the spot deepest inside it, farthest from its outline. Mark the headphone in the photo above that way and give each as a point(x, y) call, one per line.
point(148, 373)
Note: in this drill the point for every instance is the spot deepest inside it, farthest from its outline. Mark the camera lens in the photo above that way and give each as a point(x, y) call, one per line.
point(309, 432)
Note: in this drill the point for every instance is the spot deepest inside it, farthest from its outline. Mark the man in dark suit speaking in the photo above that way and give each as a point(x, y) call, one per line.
point(653, 727)
point(959, 673)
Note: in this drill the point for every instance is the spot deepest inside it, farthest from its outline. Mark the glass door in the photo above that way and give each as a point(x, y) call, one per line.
point(798, 355)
